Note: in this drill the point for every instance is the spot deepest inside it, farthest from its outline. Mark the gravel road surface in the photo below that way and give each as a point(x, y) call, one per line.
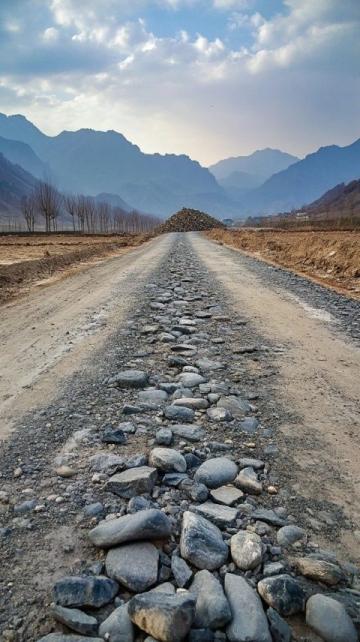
point(241, 419)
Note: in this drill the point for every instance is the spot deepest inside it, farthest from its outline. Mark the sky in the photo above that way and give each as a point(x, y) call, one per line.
point(208, 78)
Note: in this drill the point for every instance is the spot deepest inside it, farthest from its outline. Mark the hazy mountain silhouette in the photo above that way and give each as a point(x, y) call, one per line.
point(247, 172)
point(92, 162)
point(305, 181)
point(15, 183)
point(114, 200)
point(21, 154)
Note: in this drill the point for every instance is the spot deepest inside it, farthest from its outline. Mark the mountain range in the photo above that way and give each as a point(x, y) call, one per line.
point(107, 164)
point(15, 183)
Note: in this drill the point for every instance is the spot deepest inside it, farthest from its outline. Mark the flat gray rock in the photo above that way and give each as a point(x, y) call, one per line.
point(256, 464)
point(190, 379)
point(135, 566)
point(268, 516)
point(130, 379)
point(63, 637)
point(118, 626)
point(144, 525)
point(248, 481)
point(329, 619)
point(195, 403)
point(167, 460)
point(246, 550)
point(164, 437)
point(201, 542)
point(249, 622)
point(133, 481)
point(212, 608)
point(236, 406)
point(208, 365)
point(228, 495)
point(76, 620)
point(290, 534)
point(153, 396)
point(85, 590)
point(190, 432)
point(222, 516)
point(179, 413)
point(216, 472)
point(165, 617)
point(249, 425)
point(219, 414)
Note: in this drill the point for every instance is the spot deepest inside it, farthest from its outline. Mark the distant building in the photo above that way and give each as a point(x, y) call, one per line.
point(229, 222)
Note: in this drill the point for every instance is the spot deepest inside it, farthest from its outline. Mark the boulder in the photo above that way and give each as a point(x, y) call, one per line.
point(228, 495)
point(246, 550)
point(76, 620)
point(249, 622)
point(118, 626)
point(222, 516)
point(248, 481)
point(87, 590)
point(135, 565)
point(283, 593)
point(133, 481)
point(144, 525)
point(130, 379)
point(212, 608)
point(168, 618)
point(329, 619)
point(216, 472)
point(201, 542)
point(167, 460)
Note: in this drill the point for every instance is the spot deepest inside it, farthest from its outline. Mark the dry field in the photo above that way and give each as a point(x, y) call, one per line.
point(25, 259)
point(331, 257)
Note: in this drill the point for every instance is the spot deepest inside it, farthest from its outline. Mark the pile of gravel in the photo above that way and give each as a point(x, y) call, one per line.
point(188, 220)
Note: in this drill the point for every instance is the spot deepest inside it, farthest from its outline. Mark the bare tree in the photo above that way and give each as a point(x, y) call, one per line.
point(28, 208)
point(70, 203)
point(48, 203)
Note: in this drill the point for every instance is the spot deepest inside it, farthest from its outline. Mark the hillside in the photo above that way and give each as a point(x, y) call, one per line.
point(14, 184)
point(247, 172)
point(341, 200)
point(306, 180)
point(22, 154)
point(92, 162)
point(189, 220)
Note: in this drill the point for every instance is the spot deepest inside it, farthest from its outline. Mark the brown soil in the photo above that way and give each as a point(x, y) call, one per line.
point(333, 258)
point(25, 259)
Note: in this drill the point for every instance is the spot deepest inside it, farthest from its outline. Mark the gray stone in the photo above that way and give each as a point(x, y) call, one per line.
point(196, 492)
point(113, 435)
point(191, 379)
point(146, 524)
point(249, 425)
point(165, 587)
point(268, 516)
point(208, 365)
point(25, 507)
point(283, 593)
point(216, 472)
point(118, 626)
point(249, 622)
point(279, 629)
point(236, 406)
point(164, 437)
point(130, 379)
point(153, 396)
point(135, 566)
point(190, 432)
point(201, 635)
point(168, 618)
point(228, 495)
point(138, 503)
point(256, 464)
point(195, 403)
point(329, 619)
point(94, 510)
point(246, 550)
point(62, 637)
point(222, 516)
point(273, 568)
point(248, 481)
point(106, 463)
point(167, 460)
point(290, 534)
point(76, 620)
point(219, 414)
point(133, 481)
point(179, 413)
point(201, 542)
point(181, 571)
point(212, 608)
point(85, 590)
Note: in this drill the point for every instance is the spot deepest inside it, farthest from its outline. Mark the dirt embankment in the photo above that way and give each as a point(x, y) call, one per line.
point(333, 258)
point(25, 259)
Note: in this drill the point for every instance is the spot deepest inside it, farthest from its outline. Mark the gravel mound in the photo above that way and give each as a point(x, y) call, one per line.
point(188, 220)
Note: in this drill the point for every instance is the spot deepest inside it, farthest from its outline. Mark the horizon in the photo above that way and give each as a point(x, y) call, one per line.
point(211, 80)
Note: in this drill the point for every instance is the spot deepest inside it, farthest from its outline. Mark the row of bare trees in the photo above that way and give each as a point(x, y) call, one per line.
point(87, 215)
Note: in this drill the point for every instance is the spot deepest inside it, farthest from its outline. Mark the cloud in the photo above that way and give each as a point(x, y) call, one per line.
point(288, 79)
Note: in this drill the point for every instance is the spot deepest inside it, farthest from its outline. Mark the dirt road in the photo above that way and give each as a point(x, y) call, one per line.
point(319, 380)
point(278, 358)
point(46, 334)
